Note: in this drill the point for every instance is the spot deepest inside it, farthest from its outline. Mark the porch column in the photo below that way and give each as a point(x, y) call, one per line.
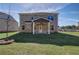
point(33, 27)
point(48, 27)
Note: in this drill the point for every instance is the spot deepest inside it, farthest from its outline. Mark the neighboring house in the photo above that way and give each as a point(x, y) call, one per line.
point(39, 22)
point(12, 23)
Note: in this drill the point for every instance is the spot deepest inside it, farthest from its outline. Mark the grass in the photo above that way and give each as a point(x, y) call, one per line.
point(66, 43)
point(3, 35)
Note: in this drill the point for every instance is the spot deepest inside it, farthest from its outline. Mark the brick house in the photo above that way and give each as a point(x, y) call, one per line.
point(12, 23)
point(39, 22)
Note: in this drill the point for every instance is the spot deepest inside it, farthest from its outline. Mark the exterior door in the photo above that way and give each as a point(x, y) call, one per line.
point(40, 28)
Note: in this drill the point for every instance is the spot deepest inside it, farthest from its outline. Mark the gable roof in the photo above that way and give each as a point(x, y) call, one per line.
point(41, 19)
point(4, 16)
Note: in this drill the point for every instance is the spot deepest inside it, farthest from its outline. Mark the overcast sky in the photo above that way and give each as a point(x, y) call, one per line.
point(68, 13)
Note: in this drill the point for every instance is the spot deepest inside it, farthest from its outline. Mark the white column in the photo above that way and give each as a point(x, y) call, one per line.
point(33, 27)
point(48, 27)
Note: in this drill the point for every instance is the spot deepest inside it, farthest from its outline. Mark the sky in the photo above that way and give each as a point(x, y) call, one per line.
point(68, 12)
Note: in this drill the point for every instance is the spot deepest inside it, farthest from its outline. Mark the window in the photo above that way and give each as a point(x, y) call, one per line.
point(23, 27)
point(52, 27)
point(50, 17)
point(32, 18)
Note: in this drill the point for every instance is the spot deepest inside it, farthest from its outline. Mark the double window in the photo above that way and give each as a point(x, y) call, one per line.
point(50, 17)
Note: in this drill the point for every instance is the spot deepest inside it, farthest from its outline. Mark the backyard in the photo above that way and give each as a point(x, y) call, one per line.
point(66, 43)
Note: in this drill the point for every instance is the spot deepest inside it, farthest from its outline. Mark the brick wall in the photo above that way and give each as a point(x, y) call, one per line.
point(33, 16)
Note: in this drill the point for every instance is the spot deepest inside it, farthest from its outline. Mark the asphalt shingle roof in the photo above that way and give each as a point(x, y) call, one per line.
point(5, 16)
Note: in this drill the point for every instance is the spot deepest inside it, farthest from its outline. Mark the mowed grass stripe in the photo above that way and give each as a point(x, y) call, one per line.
point(66, 43)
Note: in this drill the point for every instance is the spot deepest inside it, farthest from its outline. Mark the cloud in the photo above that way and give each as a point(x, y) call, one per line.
point(36, 7)
point(67, 21)
point(43, 7)
point(70, 12)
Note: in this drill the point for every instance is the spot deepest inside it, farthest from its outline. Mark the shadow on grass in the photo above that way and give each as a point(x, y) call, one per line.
point(60, 39)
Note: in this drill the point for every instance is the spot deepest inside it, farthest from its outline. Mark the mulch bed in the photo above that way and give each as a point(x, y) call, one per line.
point(5, 42)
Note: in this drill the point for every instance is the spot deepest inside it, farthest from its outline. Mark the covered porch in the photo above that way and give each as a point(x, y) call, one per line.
point(41, 26)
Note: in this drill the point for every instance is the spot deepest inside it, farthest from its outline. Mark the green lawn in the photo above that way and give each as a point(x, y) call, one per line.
point(56, 43)
point(3, 35)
